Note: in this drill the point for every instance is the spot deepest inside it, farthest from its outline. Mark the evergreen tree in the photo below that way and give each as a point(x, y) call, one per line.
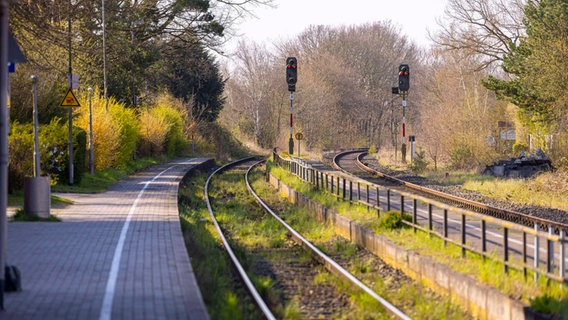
point(537, 64)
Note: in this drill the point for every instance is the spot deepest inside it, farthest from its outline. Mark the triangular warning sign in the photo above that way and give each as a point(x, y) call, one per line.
point(70, 100)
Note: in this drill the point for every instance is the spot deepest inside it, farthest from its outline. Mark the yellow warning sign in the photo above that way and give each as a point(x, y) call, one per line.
point(70, 100)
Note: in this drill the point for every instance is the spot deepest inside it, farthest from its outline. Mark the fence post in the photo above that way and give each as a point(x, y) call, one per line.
point(483, 238)
point(562, 253)
point(524, 255)
point(463, 234)
point(388, 199)
point(445, 225)
point(430, 222)
point(550, 255)
point(536, 252)
point(378, 202)
point(414, 214)
point(506, 249)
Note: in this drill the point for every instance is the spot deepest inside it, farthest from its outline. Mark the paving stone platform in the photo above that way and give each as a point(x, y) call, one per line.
point(115, 255)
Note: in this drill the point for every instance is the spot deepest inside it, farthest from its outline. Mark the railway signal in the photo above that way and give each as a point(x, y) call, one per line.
point(291, 79)
point(403, 77)
point(291, 73)
point(403, 87)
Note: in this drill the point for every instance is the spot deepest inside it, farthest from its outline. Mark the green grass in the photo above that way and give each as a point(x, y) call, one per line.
point(420, 300)
point(488, 271)
point(210, 262)
point(100, 180)
point(20, 215)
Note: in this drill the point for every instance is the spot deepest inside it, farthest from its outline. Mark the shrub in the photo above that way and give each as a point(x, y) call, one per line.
point(115, 133)
point(20, 149)
point(53, 141)
point(128, 133)
point(519, 147)
point(419, 163)
point(393, 220)
point(162, 128)
point(153, 131)
point(461, 156)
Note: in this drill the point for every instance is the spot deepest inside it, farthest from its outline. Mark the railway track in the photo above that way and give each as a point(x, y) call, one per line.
point(352, 162)
point(289, 263)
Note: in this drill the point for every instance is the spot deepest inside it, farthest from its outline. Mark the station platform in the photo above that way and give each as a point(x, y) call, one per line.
point(115, 255)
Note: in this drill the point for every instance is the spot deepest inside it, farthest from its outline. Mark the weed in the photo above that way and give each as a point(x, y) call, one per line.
point(21, 215)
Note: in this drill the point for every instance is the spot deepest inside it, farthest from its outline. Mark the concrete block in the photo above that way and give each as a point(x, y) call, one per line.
point(498, 305)
point(401, 256)
point(459, 288)
point(414, 265)
point(343, 226)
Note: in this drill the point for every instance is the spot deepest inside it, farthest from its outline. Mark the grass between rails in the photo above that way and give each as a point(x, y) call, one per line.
point(420, 302)
point(224, 296)
point(543, 296)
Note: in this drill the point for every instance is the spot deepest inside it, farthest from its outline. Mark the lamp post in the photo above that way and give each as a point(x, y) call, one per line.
point(91, 151)
point(35, 79)
point(4, 10)
point(104, 58)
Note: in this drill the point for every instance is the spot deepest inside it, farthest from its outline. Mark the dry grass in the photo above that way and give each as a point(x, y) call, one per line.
point(547, 190)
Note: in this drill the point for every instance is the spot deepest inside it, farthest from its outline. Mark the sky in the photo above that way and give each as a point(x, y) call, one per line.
point(291, 17)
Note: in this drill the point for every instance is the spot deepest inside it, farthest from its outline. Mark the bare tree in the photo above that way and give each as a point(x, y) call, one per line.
point(483, 27)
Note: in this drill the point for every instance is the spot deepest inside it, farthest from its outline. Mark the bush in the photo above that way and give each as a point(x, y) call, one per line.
point(393, 220)
point(519, 147)
point(115, 133)
point(20, 149)
point(53, 140)
point(419, 163)
point(162, 128)
point(153, 132)
point(461, 156)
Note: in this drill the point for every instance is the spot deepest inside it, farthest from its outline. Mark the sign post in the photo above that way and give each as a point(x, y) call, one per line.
point(299, 136)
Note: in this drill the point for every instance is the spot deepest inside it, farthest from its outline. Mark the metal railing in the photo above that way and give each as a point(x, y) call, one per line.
point(469, 230)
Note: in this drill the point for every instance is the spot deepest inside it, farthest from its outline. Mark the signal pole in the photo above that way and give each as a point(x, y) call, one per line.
point(291, 79)
point(403, 87)
point(403, 147)
point(291, 141)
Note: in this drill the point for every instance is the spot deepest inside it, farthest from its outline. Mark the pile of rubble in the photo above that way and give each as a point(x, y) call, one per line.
point(522, 167)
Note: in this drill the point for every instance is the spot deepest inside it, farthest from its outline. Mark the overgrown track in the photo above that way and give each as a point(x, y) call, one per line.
point(329, 263)
point(351, 162)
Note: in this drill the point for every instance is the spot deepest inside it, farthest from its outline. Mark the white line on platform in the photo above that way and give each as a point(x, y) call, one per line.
point(106, 309)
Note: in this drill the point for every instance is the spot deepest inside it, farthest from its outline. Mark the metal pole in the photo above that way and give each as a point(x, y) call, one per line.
point(291, 141)
point(536, 252)
point(4, 11)
point(403, 148)
point(35, 117)
point(70, 165)
point(91, 151)
point(104, 58)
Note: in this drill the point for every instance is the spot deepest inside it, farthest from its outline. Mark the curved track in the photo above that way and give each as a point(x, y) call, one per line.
point(351, 162)
point(315, 252)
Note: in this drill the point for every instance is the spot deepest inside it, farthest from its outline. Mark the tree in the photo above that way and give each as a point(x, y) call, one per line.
point(137, 32)
point(190, 73)
point(486, 28)
point(459, 115)
point(537, 64)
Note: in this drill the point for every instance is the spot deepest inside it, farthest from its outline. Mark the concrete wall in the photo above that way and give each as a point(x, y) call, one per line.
point(481, 301)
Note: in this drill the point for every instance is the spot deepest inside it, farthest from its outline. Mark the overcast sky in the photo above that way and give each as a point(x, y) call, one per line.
point(291, 17)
